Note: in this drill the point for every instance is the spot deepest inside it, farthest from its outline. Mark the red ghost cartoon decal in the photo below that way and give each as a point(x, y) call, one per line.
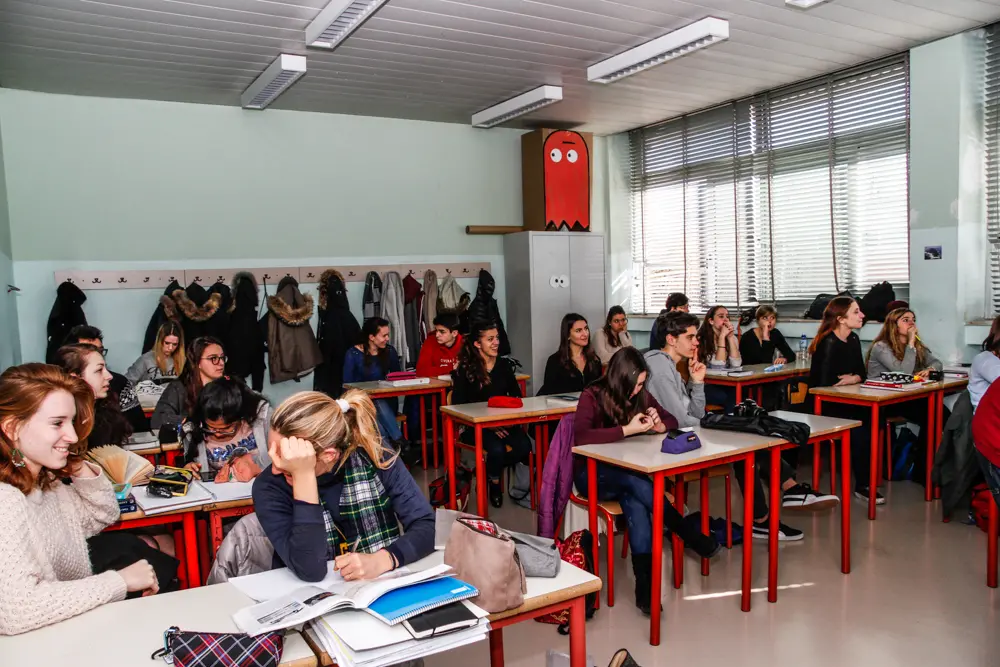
point(567, 181)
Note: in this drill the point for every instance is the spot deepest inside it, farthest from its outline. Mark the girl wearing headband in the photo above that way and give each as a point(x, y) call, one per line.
point(333, 492)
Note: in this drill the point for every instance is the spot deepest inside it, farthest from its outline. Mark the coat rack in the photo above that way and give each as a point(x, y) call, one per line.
point(158, 280)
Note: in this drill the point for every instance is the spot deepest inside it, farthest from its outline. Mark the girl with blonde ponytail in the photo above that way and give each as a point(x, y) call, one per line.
point(334, 492)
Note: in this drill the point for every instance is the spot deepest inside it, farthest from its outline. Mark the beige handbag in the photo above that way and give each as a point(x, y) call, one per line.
point(483, 555)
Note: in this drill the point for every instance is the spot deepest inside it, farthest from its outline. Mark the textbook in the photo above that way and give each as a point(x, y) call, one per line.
point(309, 602)
point(121, 466)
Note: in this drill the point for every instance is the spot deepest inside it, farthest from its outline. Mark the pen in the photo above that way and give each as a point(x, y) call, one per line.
point(354, 548)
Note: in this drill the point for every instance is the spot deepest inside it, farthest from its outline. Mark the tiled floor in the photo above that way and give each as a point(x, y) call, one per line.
point(917, 596)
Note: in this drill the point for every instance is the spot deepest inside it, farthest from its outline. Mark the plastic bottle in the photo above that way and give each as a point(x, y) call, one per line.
point(803, 354)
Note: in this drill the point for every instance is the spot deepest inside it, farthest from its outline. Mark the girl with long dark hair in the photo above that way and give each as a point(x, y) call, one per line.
point(229, 418)
point(371, 360)
point(86, 362)
point(206, 361)
point(481, 375)
point(719, 348)
point(575, 364)
point(837, 362)
point(613, 408)
point(613, 336)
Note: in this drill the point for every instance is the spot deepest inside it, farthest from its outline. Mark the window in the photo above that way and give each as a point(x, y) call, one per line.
point(778, 197)
point(992, 140)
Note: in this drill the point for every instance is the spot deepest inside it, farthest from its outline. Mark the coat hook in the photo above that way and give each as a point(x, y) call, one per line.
point(267, 276)
point(465, 269)
point(447, 270)
point(351, 274)
point(11, 288)
point(122, 280)
point(221, 279)
point(310, 275)
point(70, 281)
point(172, 278)
point(146, 279)
point(96, 281)
point(197, 279)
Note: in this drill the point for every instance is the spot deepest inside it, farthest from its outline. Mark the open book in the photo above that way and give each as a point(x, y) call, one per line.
point(121, 466)
point(309, 602)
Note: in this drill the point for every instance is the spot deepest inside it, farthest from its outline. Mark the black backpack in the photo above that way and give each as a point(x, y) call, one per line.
point(875, 303)
point(816, 308)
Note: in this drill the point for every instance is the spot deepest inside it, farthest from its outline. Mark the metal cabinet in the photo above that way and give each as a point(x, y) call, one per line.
point(550, 274)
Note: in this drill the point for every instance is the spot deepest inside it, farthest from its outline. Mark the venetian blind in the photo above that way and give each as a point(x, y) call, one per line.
point(992, 140)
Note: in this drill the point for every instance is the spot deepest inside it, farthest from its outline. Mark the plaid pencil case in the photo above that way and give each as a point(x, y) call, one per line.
point(220, 649)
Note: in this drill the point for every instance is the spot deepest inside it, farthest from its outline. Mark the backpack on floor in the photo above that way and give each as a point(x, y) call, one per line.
point(578, 550)
point(875, 304)
point(981, 499)
point(438, 489)
point(906, 452)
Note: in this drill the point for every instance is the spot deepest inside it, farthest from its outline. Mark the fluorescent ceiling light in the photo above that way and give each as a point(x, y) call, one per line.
point(338, 20)
point(804, 4)
point(674, 44)
point(279, 75)
point(517, 106)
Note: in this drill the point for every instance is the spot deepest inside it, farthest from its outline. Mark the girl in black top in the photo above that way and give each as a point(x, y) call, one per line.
point(837, 362)
point(575, 365)
point(759, 345)
point(482, 374)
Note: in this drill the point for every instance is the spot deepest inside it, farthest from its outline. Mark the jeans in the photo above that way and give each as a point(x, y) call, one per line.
point(719, 395)
point(861, 448)
point(760, 507)
point(992, 475)
point(496, 448)
point(634, 491)
point(385, 409)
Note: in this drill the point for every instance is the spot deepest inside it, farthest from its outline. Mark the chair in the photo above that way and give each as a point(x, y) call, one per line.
point(401, 420)
point(608, 511)
point(885, 445)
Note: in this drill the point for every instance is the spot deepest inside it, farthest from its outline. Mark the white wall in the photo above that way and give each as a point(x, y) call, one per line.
point(10, 348)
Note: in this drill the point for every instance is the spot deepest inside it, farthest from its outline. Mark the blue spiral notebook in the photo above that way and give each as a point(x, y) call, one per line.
point(402, 604)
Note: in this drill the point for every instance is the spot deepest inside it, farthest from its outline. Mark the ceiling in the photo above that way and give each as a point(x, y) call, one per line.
point(443, 60)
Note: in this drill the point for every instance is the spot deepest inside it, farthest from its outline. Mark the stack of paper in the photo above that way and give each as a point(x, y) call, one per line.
point(405, 382)
point(197, 495)
point(356, 639)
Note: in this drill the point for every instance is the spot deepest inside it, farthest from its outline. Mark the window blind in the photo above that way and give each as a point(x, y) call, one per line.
point(778, 197)
point(992, 140)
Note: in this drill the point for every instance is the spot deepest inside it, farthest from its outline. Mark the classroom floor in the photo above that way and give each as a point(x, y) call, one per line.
point(916, 596)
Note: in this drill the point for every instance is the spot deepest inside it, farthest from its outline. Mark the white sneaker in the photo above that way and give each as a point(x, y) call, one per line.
point(804, 497)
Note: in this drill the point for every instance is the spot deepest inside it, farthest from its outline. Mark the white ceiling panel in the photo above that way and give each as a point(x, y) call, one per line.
point(446, 59)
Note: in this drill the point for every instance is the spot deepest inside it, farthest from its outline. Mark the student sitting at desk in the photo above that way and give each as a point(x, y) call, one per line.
point(228, 418)
point(764, 344)
point(575, 364)
point(439, 353)
point(686, 401)
point(613, 336)
point(675, 301)
point(481, 375)
point(206, 362)
point(165, 360)
point(898, 348)
point(87, 363)
point(46, 574)
point(371, 360)
point(334, 493)
point(719, 349)
point(837, 362)
point(986, 365)
point(613, 408)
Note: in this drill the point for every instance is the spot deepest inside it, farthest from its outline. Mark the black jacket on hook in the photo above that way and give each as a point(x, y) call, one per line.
point(245, 343)
point(66, 313)
point(201, 312)
point(484, 308)
point(336, 331)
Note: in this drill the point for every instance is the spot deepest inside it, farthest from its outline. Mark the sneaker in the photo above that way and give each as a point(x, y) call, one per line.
point(862, 494)
point(495, 492)
point(804, 497)
point(785, 533)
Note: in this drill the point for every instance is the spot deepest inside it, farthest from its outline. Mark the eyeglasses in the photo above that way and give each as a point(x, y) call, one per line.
point(103, 350)
point(216, 360)
point(619, 320)
point(227, 432)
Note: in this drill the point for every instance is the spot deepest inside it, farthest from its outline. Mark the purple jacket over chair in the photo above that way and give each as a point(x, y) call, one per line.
point(557, 478)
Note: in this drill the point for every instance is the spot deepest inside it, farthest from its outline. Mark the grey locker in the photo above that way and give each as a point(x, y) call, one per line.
point(550, 274)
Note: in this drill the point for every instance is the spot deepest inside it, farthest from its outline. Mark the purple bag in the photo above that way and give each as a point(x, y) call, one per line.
point(678, 442)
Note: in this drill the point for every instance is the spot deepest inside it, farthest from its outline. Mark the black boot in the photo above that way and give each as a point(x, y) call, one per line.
point(495, 492)
point(690, 533)
point(622, 659)
point(642, 566)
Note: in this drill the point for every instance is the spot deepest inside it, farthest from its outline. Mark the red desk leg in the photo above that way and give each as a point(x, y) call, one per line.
point(657, 578)
point(577, 633)
point(539, 457)
point(496, 647)
point(592, 509)
point(677, 546)
point(816, 459)
point(449, 460)
point(191, 549)
point(938, 432)
point(845, 502)
point(748, 474)
point(873, 464)
point(423, 430)
point(435, 415)
point(739, 392)
point(991, 546)
point(481, 503)
point(931, 441)
point(524, 387)
point(774, 515)
point(729, 513)
point(704, 516)
point(182, 570)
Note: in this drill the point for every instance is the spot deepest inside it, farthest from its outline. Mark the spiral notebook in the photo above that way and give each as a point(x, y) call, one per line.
point(402, 604)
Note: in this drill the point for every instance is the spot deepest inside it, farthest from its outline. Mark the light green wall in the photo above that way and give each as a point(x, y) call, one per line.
point(94, 178)
point(10, 347)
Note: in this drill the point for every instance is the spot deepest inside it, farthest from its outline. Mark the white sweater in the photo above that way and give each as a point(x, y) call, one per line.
point(603, 348)
point(45, 573)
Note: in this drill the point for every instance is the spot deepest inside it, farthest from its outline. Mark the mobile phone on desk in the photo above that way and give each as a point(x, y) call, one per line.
point(207, 475)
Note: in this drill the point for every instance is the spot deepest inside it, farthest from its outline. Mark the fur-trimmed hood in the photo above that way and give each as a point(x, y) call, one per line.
point(185, 302)
point(290, 305)
point(245, 291)
point(327, 286)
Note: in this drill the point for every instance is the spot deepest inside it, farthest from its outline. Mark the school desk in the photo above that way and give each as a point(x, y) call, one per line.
point(124, 634)
point(567, 590)
point(185, 537)
point(642, 454)
point(875, 400)
point(538, 410)
point(757, 377)
point(171, 453)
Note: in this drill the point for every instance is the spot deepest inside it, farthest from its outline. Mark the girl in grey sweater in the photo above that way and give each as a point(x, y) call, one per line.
point(898, 349)
point(165, 360)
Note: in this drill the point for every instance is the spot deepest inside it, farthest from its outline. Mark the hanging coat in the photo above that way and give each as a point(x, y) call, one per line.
point(451, 297)
point(66, 313)
point(413, 297)
point(371, 303)
point(956, 469)
point(291, 343)
point(557, 477)
point(484, 308)
point(393, 302)
point(430, 301)
point(200, 311)
point(245, 342)
point(337, 331)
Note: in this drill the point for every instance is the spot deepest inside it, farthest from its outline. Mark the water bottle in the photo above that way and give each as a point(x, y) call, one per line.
point(803, 354)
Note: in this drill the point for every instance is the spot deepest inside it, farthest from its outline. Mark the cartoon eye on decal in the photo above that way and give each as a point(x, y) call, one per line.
point(556, 155)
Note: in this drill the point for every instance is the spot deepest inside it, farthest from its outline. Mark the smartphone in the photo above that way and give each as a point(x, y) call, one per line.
point(207, 476)
point(675, 433)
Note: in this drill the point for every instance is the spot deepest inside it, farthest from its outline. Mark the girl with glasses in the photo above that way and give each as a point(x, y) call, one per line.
point(229, 420)
point(206, 362)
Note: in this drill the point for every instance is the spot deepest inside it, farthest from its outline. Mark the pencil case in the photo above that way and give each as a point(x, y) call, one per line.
point(167, 482)
point(220, 649)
